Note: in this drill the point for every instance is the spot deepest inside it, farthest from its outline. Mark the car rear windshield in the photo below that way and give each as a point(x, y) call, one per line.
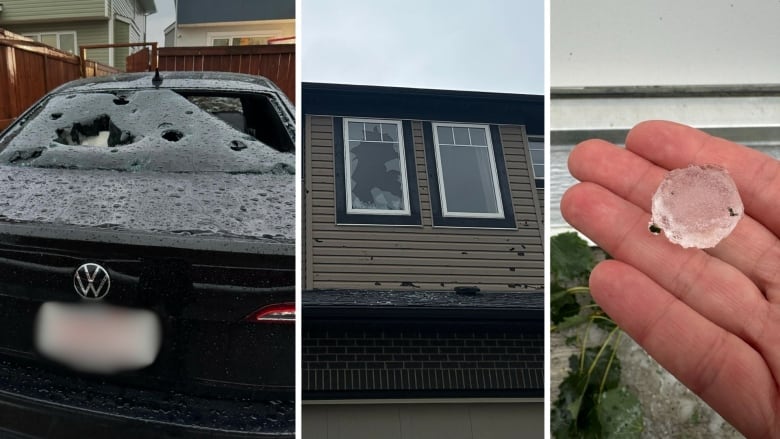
point(154, 130)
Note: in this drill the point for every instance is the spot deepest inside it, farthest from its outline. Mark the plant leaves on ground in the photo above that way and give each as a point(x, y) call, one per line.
point(583, 411)
point(620, 414)
point(571, 260)
point(591, 402)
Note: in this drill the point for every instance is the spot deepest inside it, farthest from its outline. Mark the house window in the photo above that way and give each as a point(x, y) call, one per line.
point(468, 182)
point(374, 158)
point(226, 39)
point(61, 40)
point(536, 148)
point(469, 186)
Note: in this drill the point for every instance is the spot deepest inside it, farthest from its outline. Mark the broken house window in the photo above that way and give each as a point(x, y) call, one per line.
point(468, 181)
point(375, 170)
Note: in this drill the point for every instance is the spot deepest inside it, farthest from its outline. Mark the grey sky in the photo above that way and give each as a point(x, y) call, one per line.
point(157, 22)
point(495, 45)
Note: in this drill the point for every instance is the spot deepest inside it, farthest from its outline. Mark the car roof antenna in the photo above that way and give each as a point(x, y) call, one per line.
point(157, 80)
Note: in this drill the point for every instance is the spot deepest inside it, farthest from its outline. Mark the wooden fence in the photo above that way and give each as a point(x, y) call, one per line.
point(275, 62)
point(139, 61)
point(29, 70)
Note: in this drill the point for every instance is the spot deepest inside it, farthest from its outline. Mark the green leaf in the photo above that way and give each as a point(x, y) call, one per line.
point(562, 305)
point(620, 414)
point(596, 376)
point(572, 321)
point(563, 419)
point(570, 259)
point(607, 324)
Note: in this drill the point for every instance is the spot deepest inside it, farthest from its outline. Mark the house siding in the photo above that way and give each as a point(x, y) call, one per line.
point(540, 197)
point(121, 35)
point(419, 257)
point(131, 10)
point(208, 11)
point(20, 11)
point(170, 38)
point(89, 32)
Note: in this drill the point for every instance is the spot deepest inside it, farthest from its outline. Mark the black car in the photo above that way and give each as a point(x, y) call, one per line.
point(147, 259)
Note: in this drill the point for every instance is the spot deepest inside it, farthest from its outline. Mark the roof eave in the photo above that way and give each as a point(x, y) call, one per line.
point(148, 6)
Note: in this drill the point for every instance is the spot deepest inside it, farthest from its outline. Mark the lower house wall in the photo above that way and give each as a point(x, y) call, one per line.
point(421, 356)
point(420, 420)
point(199, 35)
point(87, 32)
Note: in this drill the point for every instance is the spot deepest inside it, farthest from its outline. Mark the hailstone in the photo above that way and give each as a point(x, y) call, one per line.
point(696, 206)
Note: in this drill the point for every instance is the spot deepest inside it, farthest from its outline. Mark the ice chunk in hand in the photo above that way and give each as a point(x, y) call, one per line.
point(697, 206)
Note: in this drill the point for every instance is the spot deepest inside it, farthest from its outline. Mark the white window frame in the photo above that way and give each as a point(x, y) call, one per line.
point(37, 36)
point(211, 36)
point(443, 190)
point(536, 138)
point(348, 169)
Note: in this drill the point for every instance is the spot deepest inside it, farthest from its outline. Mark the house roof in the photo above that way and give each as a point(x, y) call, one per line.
point(424, 104)
point(148, 6)
point(433, 305)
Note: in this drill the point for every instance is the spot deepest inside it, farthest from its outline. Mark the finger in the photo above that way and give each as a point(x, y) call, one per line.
point(672, 145)
point(713, 288)
point(751, 247)
point(726, 372)
point(622, 172)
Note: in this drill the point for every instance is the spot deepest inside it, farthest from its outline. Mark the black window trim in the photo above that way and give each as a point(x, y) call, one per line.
point(342, 217)
point(439, 220)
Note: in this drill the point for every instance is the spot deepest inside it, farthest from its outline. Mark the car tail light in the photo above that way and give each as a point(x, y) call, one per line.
point(276, 313)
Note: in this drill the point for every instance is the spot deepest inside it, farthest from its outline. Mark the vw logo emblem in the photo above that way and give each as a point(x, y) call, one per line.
point(91, 281)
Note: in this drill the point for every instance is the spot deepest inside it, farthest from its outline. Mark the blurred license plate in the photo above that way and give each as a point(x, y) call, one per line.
point(97, 338)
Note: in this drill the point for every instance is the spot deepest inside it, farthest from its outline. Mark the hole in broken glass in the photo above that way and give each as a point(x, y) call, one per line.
point(26, 155)
point(100, 131)
point(55, 116)
point(237, 145)
point(121, 100)
point(172, 135)
point(376, 176)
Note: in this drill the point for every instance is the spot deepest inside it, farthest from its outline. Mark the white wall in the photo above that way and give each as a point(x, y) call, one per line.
point(664, 42)
point(197, 35)
point(421, 420)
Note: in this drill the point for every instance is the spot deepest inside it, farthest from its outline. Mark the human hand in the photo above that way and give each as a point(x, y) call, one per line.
point(711, 317)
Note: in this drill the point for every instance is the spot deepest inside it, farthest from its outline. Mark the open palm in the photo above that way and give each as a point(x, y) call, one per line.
point(711, 317)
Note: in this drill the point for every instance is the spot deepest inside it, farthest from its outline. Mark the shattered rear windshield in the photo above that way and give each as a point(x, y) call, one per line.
point(153, 130)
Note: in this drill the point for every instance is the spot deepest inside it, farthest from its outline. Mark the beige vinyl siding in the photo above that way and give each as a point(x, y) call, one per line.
point(130, 10)
point(20, 11)
point(121, 35)
point(424, 257)
point(169, 38)
point(92, 32)
point(540, 197)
